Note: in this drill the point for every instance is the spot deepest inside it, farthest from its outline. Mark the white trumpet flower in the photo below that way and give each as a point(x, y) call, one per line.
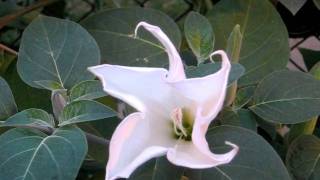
point(173, 112)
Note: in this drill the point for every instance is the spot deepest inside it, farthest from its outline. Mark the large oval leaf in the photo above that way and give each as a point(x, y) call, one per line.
point(256, 158)
point(30, 117)
point(114, 32)
point(58, 51)
point(87, 90)
point(265, 40)
point(287, 97)
point(303, 158)
point(27, 154)
point(8, 106)
point(84, 111)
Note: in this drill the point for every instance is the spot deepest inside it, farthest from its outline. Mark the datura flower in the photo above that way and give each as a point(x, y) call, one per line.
point(173, 112)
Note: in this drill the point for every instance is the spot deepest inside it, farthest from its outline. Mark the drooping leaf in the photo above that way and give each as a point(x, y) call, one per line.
point(237, 70)
point(114, 32)
point(303, 158)
point(84, 111)
point(199, 35)
point(256, 159)
point(293, 5)
point(265, 39)
point(56, 50)
point(30, 117)
point(26, 96)
point(87, 90)
point(287, 97)
point(157, 169)
point(27, 154)
point(8, 106)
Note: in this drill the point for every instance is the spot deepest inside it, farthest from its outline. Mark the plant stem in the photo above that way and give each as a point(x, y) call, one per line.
point(10, 17)
point(6, 48)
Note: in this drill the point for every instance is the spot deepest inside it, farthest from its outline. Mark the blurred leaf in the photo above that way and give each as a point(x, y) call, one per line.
point(30, 117)
point(310, 57)
point(56, 50)
point(84, 111)
point(26, 97)
point(303, 158)
point(173, 8)
point(293, 5)
point(303, 128)
point(157, 169)
point(237, 70)
point(114, 32)
point(242, 118)
point(317, 3)
point(8, 106)
point(265, 45)
point(5, 60)
point(287, 97)
point(199, 35)
point(87, 90)
point(27, 154)
point(256, 158)
point(315, 71)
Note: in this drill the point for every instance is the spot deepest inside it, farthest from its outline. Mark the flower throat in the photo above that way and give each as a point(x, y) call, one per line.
point(182, 123)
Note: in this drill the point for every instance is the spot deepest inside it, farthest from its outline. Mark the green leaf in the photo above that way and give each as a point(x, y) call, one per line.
point(293, 5)
point(256, 159)
point(303, 158)
point(265, 45)
point(27, 97)
point(317, 3)
point(173, 8)
point(84, 111)
point(237, 70)
point(87, 90)
point(5, 60)
point(199, 35)
point(242, 118)
point(287, 97)
point(234, 44)
point(315, 71)
point(30, 117)
point(8, 106)
point(244, 96)
point(310, 57)
point(157, 169)
point(49, 85)
point(56, 50)
point(114, 32)
point(27, 154)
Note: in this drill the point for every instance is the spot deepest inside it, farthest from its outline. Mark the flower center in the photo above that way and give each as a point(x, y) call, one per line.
point(182, 123)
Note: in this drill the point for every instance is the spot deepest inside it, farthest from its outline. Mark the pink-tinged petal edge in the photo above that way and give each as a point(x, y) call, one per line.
point(176, 70)
point(129, 147)
point(208, 92)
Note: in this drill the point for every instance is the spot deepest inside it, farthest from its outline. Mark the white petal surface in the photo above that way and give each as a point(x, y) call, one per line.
point(176, 71)
point(209, 91)
point(142, 88)
point(133, 143)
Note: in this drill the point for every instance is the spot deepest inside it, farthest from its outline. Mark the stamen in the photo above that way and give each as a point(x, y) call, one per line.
point(177, 117)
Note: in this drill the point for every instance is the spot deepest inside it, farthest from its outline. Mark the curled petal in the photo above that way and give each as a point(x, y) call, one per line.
point(188, 155)
point(209, 91)
point(176, 71)
point(131, 145)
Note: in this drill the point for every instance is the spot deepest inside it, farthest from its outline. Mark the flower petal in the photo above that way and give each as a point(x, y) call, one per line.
point(139, 87)
point(188, 155)
point(176, 71)
point(132, 144)
point(209, 91)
